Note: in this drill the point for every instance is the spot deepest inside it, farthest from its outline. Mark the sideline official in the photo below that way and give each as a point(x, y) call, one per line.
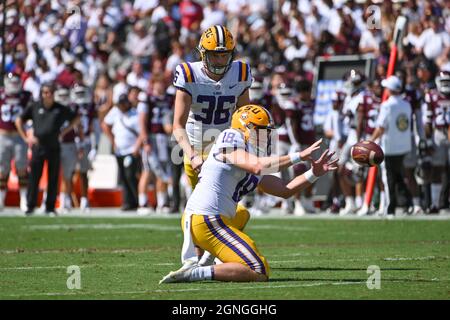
point(48, 118)
point(394, 127)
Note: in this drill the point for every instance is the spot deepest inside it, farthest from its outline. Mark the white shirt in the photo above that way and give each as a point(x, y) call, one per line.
point(433, 44)
point(133, 80)
point(370, 40)
point(211, 18)
point(118, 89)
point(124, 139)
point(395, 117)
point(292, 52)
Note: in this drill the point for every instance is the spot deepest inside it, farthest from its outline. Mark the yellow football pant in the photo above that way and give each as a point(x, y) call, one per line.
point(217, 235)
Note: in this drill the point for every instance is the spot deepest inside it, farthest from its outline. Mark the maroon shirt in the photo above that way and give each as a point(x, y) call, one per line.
point(303, 113)
point(158, 107)
point(438, 109)
point(72, 134)
point(371, 107)
point(87, 113)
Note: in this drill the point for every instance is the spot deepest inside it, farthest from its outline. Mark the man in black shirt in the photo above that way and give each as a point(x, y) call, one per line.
point(48, 118)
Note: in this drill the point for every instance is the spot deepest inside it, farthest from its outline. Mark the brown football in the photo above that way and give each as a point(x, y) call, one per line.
point(367, 153)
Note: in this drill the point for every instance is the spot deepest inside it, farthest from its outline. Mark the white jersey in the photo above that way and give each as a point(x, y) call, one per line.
point(349, 110)
point(213, 102)
point(221, 185)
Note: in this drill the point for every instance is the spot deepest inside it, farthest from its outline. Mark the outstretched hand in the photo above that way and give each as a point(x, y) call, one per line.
point(306, 154)
point(324, 163)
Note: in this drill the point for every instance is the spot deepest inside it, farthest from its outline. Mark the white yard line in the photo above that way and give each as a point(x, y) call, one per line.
point(146, 226)
point(175, 264)
point(102, 226)
point(273, 214)
point(202, 289)
point(86, 266)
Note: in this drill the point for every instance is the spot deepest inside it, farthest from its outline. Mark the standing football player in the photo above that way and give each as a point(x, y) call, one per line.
point(155, 122)
point(86, 144)
point(333, 130)
point(69, 155)
point(300, 123)
point(12, 101)
point(208, 91)
point(410, 161)
point(354, 110)
point(437, 131)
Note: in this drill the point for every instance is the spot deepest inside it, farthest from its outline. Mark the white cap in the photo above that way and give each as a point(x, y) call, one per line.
point(392, 83)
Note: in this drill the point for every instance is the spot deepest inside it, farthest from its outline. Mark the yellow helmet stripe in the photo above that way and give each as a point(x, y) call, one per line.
point(187, 72)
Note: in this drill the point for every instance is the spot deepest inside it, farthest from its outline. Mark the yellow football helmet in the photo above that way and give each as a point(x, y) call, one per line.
point(217, 39)
point(256, 123)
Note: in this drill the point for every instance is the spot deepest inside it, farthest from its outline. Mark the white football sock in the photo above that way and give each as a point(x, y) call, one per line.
point(358, 201)
point(382, 200)
point(349, 202)
point(142, 199)
point(62, 199)
point(23, 193)
point(161, 199)
point(435, 193)
point(201, 273)
point(416, 201)
point(83, 202)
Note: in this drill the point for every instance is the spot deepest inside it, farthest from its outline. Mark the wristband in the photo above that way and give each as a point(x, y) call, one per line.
point(309, 175)
point(295, 157)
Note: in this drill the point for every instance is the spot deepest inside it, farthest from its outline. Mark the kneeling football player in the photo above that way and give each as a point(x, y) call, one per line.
point(231, 170)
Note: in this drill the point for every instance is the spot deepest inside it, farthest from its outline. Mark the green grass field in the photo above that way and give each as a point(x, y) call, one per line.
point(124, 258)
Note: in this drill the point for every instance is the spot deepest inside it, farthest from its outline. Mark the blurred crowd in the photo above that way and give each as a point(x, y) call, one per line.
point(120, 55)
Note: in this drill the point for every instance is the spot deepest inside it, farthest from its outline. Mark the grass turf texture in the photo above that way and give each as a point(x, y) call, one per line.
point(310, 259)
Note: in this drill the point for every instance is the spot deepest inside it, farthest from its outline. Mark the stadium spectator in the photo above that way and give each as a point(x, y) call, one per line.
point(433, 42)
